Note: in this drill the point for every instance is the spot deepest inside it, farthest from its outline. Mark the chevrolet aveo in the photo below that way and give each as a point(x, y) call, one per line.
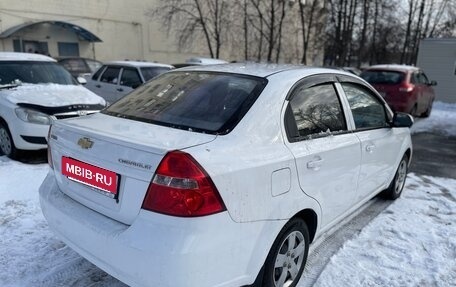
point(221, 175)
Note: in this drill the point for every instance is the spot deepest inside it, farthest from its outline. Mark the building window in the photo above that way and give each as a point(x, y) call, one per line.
point(68, 49)
point(31, 47)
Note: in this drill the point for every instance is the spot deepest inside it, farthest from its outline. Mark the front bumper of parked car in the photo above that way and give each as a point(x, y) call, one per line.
point(29, 136)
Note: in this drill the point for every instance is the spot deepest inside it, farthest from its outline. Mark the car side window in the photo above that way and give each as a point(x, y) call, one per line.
point(317, 110)
point(110, 75)
point(130, 78)
point(423, 79)
point(98, 73)
point(414, 78)
point(368, 112)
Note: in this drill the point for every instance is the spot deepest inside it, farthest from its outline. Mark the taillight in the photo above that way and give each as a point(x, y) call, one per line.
point(181, 187)
point(49, 155)
point(406, 88)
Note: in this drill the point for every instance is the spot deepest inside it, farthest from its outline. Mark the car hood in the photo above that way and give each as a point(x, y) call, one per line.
point(52, 95)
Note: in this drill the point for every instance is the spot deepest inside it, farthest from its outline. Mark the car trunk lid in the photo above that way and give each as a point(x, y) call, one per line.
point(125, 152)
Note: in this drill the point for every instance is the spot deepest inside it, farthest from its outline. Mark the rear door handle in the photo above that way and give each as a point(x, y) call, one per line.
point(370, 148)
point(120, 89)
point(98, 86)
point(315, 164)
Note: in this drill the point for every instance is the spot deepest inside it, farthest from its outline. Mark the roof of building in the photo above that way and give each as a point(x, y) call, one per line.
point(15, 56)
point(80, 31)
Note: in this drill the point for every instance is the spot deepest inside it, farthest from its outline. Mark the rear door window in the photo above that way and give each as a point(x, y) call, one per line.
point(130, 78)
point(98, 73)
point(110, 75)
point(197, 101)
point(317, 110)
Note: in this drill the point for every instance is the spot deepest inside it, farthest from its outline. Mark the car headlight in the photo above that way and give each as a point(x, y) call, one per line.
point(32, 116)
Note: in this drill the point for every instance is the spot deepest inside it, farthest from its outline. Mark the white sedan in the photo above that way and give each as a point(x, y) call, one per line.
point(222, 175)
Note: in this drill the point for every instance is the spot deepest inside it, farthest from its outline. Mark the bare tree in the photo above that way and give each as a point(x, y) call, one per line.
point(192, 18)
point(311, 16)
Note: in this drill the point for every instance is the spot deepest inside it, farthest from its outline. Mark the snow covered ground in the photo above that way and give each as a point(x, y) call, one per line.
point(411, 243)
point(442, 120)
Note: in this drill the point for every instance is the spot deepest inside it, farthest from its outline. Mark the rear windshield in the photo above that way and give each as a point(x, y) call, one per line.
point(151, 72)
point(197, 101)
point(383, 77)
point(34, 73)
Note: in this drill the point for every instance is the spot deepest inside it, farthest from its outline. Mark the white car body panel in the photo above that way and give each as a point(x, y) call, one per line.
point(146, 260)
point(337, 158)
point(52, 95)
point(116, 148)
point(262, 178)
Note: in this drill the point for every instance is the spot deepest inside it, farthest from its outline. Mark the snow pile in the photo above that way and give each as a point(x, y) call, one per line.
point(442, 120)
point(412, 243)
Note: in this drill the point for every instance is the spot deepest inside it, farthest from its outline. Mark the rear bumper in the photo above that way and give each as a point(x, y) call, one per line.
point(159, 250)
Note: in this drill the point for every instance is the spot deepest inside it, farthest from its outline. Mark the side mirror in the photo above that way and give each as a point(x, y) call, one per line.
point(81, 80)
point(402, 120)
point(433, 83)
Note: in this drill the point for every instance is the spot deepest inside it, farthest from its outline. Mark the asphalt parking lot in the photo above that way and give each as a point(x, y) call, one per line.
point(434, 154)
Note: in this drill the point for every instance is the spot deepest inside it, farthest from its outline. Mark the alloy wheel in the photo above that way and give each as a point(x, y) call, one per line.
point(289, 259)
point(5, 141)
point(400, 177)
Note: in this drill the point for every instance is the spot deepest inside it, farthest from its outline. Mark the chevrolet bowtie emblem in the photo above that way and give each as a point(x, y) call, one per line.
point(85, 143)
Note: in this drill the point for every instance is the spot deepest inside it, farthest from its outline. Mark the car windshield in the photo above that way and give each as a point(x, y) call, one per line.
point(151, 72)
point(197, 101)
point(34, 72)
point(383, 77)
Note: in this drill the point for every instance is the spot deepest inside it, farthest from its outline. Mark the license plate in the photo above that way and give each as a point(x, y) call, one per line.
point(90, 175)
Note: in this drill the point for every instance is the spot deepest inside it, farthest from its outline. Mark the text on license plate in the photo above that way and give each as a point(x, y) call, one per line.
point(90, 175)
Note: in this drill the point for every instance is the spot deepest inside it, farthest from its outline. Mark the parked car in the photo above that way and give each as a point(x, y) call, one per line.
point(116, 79)
point(405, 88)
point(222, 175)
point(78, 66)
point(34, 92)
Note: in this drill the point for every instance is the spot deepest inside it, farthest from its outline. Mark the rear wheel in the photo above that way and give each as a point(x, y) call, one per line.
point(427, 113)
point(414, 110)
point(288, 255)
point(397, 185)
point(7, 146)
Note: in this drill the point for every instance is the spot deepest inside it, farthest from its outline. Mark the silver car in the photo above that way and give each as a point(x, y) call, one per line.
point(116, 79)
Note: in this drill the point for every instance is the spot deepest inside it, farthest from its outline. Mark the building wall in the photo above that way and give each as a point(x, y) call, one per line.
point(437, 57)
point(126, 31)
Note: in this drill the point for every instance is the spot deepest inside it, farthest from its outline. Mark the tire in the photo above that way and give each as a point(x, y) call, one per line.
point(428, 111)
point(7, 146)
point(414, 110)
point(285, 263)
point(396, 186)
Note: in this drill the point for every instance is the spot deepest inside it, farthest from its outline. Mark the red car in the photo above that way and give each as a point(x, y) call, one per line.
point(405, 88)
